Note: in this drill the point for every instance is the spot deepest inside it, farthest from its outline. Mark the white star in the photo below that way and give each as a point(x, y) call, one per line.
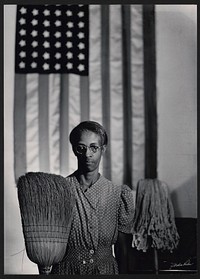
point(58, 23)
point(58, 44)
point(81, 67)
point(81, 24)
point(69, 13)
point(69, 44)
point(57, 34)
point(57, 12)
point(22, 43)
point(46, 44)
point(69, 55)
point(34, 21)
point(57, 66)
point(33, 65)
point(34, 33)
point(46, 23)
point(22, 21)
point(23, 10)
point(81, 46)
point(35, 12)
point(81, 56)
point(46, 55)
point(46, 33)
point(69, 65)
point(70, 24)
point(46, 12)
point(45, 66)
point(22, 54)
point(34, 43)
point(34, 54)
point(81, 35)
point(69, 34)
point(57, 55)
point(22, 64)
point(22, 32)
point(81, 14)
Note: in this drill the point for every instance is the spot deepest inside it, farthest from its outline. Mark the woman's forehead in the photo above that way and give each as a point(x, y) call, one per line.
point(89, 136)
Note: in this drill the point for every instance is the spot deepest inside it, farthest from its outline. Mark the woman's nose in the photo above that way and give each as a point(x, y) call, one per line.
point(88, 152)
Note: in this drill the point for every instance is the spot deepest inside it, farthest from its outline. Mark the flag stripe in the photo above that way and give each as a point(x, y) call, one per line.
point(127, 110)
point(150, 92)
point(105, 79)
point(54, 111)
point(20, 125)
point(137, 84)
point(95, 64)
point(44, 122)
point(74, 112)
point(84, 98)
point(64, 124)
point(116, 136)
point(32, 125)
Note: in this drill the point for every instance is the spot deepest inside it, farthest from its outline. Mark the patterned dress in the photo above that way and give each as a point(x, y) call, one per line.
point(99, 213)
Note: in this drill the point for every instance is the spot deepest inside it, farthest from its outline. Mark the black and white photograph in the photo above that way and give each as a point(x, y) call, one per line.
point(100, 139)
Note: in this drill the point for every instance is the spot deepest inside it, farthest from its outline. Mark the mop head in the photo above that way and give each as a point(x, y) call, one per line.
point(154, 222)
point(46, 205)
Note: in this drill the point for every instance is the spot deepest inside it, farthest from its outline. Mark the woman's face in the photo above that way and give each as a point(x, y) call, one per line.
point(89, 161)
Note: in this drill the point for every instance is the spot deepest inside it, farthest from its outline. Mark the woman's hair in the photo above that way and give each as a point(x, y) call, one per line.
point(91, 126)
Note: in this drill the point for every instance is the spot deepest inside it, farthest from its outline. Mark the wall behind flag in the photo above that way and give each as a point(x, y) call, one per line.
point(176, 106)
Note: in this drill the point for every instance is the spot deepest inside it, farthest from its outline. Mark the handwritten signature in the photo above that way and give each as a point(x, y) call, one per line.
point(186, 263)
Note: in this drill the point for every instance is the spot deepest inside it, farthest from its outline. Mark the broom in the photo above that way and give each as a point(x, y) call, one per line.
point(46, 205)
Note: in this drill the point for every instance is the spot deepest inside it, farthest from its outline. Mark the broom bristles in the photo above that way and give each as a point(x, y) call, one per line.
point(43, 197)
point(46, 205)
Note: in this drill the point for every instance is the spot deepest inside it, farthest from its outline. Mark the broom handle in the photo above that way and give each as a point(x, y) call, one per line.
point(44, 269)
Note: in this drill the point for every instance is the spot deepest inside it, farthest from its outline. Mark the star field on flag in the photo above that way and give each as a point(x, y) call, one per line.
point(52, 39)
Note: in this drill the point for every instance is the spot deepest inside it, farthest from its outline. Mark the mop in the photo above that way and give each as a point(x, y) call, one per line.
point(154, 222)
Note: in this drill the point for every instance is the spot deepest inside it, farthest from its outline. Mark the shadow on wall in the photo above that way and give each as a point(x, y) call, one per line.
point(184, 199)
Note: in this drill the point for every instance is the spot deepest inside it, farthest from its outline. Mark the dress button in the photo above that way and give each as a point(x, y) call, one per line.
point(91, 261)
point(91, 251)
point(84, 262)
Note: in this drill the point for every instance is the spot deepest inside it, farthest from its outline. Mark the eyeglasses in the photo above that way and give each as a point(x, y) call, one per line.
point(82, 149)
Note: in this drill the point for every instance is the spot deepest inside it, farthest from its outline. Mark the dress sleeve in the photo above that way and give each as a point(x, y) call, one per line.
point(126, 210)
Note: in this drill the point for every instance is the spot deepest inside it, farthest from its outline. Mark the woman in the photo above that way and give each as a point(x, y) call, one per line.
point(103, 213)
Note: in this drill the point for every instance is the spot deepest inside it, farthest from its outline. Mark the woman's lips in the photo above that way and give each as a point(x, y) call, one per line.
point(88, 162)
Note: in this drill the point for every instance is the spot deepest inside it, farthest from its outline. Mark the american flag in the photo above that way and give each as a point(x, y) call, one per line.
point(85, 62)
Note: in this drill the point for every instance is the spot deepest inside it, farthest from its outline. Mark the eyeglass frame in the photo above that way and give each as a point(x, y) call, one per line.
point(86, 148)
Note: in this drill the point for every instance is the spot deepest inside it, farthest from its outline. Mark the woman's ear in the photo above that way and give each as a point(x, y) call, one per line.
point(104, 148)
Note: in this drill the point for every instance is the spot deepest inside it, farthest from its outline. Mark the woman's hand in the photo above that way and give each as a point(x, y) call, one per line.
point(44, 269)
